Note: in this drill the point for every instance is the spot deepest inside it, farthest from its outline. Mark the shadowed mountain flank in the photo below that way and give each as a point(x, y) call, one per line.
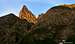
point(12, 29)
point(57, 21)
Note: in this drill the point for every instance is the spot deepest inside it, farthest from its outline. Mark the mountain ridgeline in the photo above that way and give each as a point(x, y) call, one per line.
point(52, 27)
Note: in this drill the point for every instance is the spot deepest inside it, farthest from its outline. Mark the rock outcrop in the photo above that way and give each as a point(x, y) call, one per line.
point(27, 14)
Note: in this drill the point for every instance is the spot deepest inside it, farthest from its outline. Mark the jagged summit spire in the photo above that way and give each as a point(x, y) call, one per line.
point(27, 14)
point(24, 7)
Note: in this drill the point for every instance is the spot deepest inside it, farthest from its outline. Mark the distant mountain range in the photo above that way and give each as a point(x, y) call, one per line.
point(52, 27)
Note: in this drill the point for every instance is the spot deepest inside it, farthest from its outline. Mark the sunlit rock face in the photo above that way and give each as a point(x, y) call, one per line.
point(70, 5)
point(26, 14)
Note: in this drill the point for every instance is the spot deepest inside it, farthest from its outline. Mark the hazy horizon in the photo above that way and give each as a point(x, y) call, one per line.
point(35, 6)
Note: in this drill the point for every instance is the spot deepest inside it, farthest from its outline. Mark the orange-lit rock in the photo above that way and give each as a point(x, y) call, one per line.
point(26, 14)
point(70, 5)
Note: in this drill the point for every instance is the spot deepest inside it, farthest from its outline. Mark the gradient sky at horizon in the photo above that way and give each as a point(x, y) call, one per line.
point(36, 6)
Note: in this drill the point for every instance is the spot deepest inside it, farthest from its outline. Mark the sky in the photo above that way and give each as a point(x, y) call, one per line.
point(35, 6)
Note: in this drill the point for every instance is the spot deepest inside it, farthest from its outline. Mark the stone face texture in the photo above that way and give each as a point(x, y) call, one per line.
point(58, 20)
point(26, 14)
point(12, 29)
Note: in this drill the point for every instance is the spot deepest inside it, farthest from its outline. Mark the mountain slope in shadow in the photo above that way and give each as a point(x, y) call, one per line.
point(12, 29)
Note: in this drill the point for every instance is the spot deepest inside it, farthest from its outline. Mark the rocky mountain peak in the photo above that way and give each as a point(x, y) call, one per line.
point(24, 8)
point(27, 14)
point(10, 14)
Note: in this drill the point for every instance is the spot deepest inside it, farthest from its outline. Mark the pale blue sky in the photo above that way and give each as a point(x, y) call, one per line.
point(36, 6)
